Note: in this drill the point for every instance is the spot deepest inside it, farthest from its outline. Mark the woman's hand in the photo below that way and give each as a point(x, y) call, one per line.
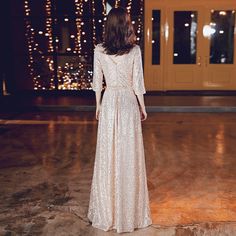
point(142, 109)
point(98, 108)
point(143, 114)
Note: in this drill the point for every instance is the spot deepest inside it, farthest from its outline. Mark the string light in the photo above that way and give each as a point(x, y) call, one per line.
point(50, 39)
point(79, 23)
point(30, 41)
point(93, 25)
point(140, 24)
point(33, 46)
point(78, 40)
point(49, 25)
point(129, 6)
point(69, 77)
point(104, 14)
point(76, 74)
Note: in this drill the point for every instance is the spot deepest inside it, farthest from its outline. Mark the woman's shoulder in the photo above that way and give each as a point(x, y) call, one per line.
point(99, 47)
point(137, 47)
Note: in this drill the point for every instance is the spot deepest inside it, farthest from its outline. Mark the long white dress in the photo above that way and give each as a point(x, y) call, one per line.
point(119, 196)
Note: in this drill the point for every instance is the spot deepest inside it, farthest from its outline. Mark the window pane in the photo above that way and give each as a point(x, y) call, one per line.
point(39, 34)
point(73, 35)
point(67, 35)
point(40, 8)
point(22, 8)
point(222, 37)
point(185, 37)
point(73, 73)
point(156, 18)
point(42, 71)
point(66, 9)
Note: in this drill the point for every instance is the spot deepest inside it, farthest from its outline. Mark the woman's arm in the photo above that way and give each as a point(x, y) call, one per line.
point(138, 82)
point(142, 107)
point(97, 79)
point(98, 103)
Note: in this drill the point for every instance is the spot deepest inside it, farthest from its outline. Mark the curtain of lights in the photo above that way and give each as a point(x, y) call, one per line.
point(61, 36)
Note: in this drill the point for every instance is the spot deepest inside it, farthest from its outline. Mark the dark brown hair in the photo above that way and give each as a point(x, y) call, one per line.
point(119, 35)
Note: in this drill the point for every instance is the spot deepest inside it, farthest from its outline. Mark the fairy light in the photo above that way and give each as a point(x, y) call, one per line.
point(70, 77)
point(129, 6)
point(49, 25)
point(33, 46)
point(27, 9)
point(80, 32)
point(79, 23)
point(94, 25)
point(30, 40)
point(104, 14)
point(48, 9)
point(140, 23)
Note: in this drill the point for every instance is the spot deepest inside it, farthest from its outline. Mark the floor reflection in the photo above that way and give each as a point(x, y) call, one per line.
point(46, 162)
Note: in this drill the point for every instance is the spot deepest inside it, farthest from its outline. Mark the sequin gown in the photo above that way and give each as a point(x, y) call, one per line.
point(119, 196)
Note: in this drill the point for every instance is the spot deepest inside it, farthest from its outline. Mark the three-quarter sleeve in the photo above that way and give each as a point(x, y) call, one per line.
point(97, 72)
point(138, 79)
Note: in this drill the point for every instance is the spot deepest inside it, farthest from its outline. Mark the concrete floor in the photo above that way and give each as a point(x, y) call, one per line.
point(46, 163)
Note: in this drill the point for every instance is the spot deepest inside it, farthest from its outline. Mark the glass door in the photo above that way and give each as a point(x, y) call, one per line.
point(221, 52)
point(154, 45)
point(190, 46)
point(185, 49)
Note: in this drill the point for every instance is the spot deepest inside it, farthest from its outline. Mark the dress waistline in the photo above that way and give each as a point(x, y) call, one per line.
point(119, 87)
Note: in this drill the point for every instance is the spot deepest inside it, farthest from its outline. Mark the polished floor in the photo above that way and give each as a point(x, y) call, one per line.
point(46, 164)
point(85, 101)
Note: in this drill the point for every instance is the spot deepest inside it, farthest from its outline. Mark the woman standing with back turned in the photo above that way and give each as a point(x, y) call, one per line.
point(119, 196)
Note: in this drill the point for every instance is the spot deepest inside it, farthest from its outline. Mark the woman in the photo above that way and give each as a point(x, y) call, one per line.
point(119, 195)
